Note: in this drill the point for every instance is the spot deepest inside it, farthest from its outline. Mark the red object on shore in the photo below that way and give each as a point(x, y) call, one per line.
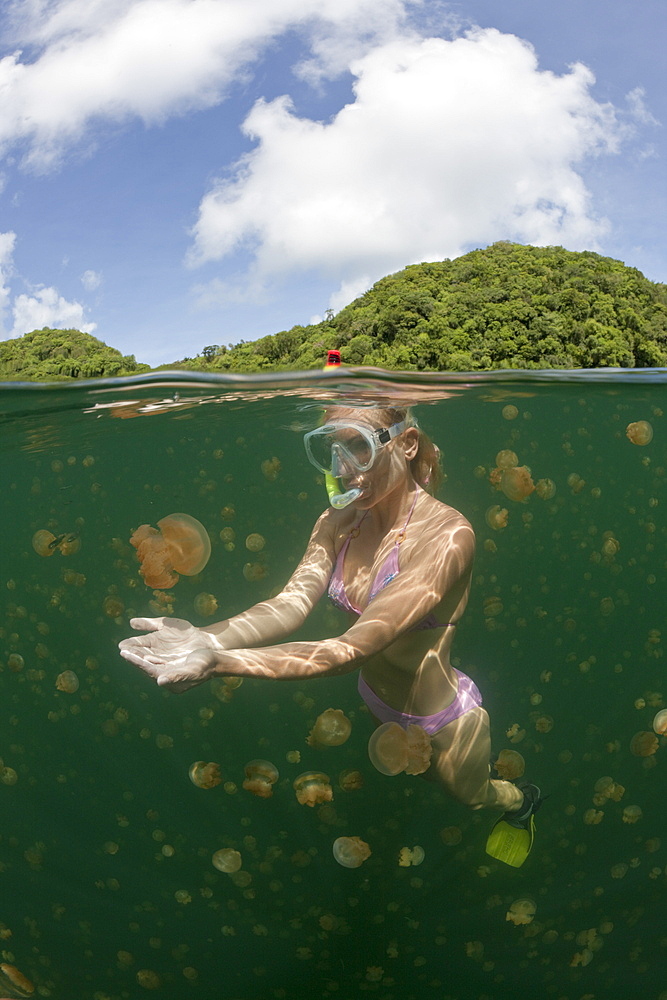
point(333, 358)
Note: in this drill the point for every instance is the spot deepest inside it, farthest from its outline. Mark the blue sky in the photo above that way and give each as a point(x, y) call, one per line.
point(180, 173)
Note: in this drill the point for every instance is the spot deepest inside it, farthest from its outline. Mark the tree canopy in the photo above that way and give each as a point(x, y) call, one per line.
point(60, 355)
point(507, 306)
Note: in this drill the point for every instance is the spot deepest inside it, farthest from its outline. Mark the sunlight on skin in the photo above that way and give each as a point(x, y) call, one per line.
point(408, 670)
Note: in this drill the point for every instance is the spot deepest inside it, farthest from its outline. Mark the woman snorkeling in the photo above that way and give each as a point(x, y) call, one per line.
point(399, 562)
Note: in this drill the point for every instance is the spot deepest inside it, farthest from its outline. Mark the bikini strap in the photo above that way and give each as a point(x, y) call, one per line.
point(401, 534)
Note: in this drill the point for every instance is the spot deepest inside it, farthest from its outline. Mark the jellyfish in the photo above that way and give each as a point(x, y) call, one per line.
point(180, 546)
point(643, 744)
point(24, 985)
point(260, 777)
point(545, 488)
point(351, 780)
point(544, 724)
point(660, 723)
point(393, 749)
point(510, 764)
point(593, 816)
point(44, 542)
point(205, 775)
point(619, 870)
point(331, 729)
point(205, 604)
point(640, 432)
point(227, 860)
point(270, 468)
point(255, 542)
point(67, 681)
point(516, 483)
point(113, 606)
point(521, 911)
point(15, 662)
point(496, 517)
point(510, 412)
point(312, 788)
point(632, 814)
point(414, 856)
point(451, 836)
point(254, 571)
point(350, 852)
point(148, 979)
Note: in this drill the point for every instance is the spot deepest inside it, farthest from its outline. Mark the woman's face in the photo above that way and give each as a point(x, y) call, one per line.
point(391, 469)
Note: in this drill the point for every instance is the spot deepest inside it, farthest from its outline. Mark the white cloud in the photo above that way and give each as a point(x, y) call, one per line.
point(46, 307)
point(148, 59)
point(7, 242)
point(447, 144)
point(91, 280)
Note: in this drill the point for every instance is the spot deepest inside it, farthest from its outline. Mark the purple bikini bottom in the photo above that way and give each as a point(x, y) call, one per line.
point(467, 697)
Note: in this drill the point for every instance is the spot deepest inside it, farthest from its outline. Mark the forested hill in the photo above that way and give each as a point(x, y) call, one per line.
point(508, 306)
point(60, 355)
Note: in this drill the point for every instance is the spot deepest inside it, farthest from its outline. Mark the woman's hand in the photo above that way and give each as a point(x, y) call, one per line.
point(174, 653)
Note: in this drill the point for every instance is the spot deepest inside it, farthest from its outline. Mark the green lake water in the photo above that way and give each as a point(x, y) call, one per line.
point(107, 889)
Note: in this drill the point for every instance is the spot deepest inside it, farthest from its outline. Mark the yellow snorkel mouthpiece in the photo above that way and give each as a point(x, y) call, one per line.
point(337, 497)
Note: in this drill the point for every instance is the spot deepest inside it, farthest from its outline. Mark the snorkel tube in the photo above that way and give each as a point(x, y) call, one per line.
point(334, 487)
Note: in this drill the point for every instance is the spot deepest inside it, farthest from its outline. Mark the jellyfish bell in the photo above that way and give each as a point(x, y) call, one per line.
point(205, 604)
point(545, 489)
point(408, 856)
point(643, 744)
point(516, 483)
point(510, 764)
point(393, 749)
point(44, 542)
point(67, 681)
point(350, 852)
point(660, 723)
point(521, 911)
point(639, 432)
point(506, 459)
point(180, 546)
point(351, 780)
point(312, 788)
point(496, 517)
point(227, 860)
point(260, 777)
point(205, 775)
point(632, 814)
point(332, 728)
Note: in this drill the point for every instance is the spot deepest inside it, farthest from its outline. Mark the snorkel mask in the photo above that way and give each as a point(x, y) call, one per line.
point(341, 448)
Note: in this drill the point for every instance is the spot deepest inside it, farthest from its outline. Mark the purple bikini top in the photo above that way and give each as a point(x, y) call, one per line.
point(387, 572)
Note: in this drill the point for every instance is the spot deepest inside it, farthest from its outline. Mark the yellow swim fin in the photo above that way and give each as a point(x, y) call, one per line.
point(511, 844)
point(511, 838)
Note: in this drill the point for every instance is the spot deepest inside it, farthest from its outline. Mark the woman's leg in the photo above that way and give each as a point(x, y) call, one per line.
point(461, 753)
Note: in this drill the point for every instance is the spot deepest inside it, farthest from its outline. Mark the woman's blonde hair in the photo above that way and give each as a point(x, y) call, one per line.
point(426, 466)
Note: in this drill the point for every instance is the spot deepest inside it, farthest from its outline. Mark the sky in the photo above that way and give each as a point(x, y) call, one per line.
point(181, 173)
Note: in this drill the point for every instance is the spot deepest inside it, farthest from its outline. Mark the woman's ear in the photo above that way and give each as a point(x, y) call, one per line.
point(410, 442)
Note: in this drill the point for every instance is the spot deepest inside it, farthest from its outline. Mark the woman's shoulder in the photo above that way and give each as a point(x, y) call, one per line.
point(442, 516)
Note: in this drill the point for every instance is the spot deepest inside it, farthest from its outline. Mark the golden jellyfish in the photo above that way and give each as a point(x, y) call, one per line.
point(521, 911)
point(545, 489)
point(254, 571)
point(350, 852)
point(15, 662)
point(632, 814)
point(660, 723)
point(510, 412)
point(414, 856)
point(506, 459)
point(619, 870)
point(255, 542)
point(393, 749)
point(451, 836)
point(516, 483)
point(205, 605)
point(205, 775)
point(510, 764)
point(640, 432)
point(331, 729)
point(113, 606)
point(351, 780)
point(44, 542)
point(643, 744)
point(260, 777)
point(24, 985)
point(180, 546)
point(496, 517)
point(593, 816)
point(544, 724)
point(270, 468)
point(67, 681)
point(148, 979)
point(227, 860)
point(313, 788)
